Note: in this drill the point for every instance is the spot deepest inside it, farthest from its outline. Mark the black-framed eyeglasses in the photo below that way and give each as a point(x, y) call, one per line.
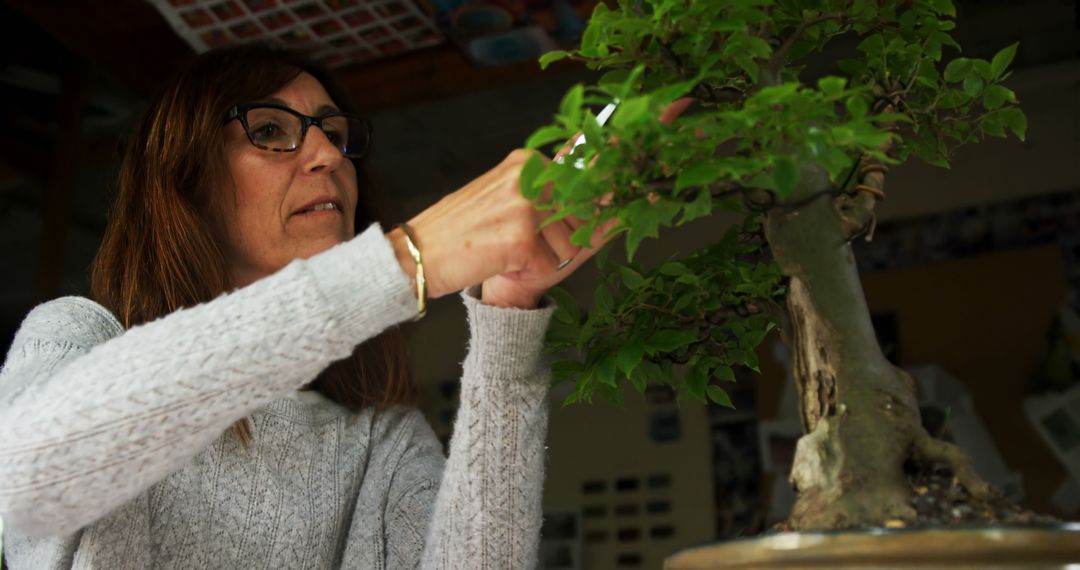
point(277, 128)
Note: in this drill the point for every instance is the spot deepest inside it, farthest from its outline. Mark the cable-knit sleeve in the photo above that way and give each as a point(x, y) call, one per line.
point(91, 415)
point(488, 508)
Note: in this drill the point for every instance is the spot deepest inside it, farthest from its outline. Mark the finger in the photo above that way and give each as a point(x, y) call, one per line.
point(604, 233)
point(600, 237)
point(557, 235)
point(545, 257)
point(545, 196)
point(673, 110)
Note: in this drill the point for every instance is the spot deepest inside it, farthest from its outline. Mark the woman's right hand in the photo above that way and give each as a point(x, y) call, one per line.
point(488, 228)
point(483, 229)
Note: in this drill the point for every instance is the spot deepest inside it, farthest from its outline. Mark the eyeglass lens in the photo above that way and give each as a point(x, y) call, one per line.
point(276, 129)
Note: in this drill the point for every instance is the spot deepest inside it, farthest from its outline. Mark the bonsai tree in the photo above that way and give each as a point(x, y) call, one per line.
point(805, 159)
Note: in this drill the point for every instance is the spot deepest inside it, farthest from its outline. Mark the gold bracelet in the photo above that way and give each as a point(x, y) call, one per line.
point(421, 284)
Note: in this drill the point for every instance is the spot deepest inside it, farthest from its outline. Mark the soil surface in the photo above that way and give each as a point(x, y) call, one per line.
point(940, 501)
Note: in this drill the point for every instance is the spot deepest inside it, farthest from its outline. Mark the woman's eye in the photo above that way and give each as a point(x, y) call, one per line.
point(335, 137)
point(267, 132)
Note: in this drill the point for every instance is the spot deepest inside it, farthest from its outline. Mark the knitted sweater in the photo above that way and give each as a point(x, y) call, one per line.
point(114, 451)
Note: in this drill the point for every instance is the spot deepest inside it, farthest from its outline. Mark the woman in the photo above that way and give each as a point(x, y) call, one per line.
point(232, 288)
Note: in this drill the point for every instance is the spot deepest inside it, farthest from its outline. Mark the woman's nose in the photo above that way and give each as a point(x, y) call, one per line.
point(321, 152)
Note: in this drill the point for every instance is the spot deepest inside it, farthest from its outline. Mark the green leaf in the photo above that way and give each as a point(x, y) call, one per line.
point(748, 65)
point(552, 56)
point(753, 338)
point(644, 220)
point(996, 96)
point(639, 379)
point(630, 83)
point(773, 94)
point(582, 237)
point(700, 207)
point(757, 47)
point(634, 236)
point(612, 394)
point(630, 111)
point(695, 382)
point(591, 37)
point(530, 171)
point(566, 303)
point(562, 333)
point(631, 278)
point(668, 341)
point(1001, 60)
point(674, 268)
point(1016, 121)
point(586, 333)
point(951, 99)
point(992, 125)
point(958, 69)
point(872, 46)
point(786, 175)
point(687, 300)
point(739, 356)
point(570, 108)
point(944, 7)
point(725, 373)
point(674, 91)
point(545, 135)
point(630, 355)
point(832, 86)
point(857, 105)
point(697, 174)
point(603, 300)
point(605, 370)
point(689, 279)
point(612, 81)
point(719, 396)
point(973, 85)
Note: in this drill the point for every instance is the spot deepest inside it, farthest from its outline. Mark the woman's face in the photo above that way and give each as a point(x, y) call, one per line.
point(265, 209)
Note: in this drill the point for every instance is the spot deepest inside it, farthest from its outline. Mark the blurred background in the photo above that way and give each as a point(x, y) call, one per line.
point(973, 276)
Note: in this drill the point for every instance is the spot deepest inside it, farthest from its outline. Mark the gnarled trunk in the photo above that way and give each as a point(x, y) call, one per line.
point(859, 413)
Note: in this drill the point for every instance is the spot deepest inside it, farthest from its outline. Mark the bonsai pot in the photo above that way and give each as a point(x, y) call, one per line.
point(1048, 547)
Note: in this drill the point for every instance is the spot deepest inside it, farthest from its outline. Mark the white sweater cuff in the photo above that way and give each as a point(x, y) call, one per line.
point(506, 342)
point(349, 273)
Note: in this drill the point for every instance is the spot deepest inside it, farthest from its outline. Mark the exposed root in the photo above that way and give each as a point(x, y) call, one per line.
point(836, 494)
point(928, 450)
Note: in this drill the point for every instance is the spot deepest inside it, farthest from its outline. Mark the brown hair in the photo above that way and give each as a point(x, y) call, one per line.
point(161, 252)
